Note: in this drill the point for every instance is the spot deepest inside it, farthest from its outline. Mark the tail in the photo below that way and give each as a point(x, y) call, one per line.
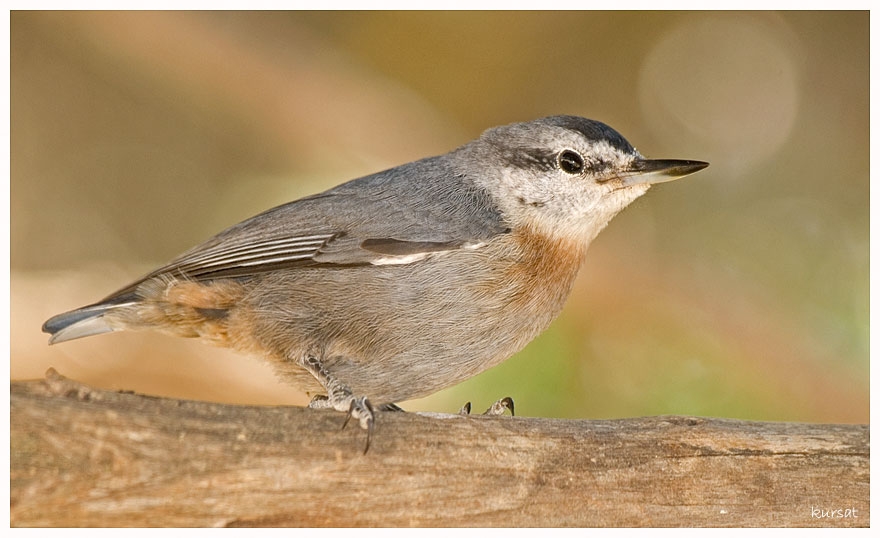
point(82, 322)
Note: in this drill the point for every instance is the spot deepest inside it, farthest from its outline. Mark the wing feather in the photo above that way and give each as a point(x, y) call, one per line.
point(398, 216)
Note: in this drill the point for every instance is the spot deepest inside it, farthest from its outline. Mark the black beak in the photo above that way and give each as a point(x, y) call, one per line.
point(650, 171)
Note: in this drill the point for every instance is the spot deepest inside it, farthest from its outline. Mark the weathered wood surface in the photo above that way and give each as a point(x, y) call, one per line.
point(86, 457)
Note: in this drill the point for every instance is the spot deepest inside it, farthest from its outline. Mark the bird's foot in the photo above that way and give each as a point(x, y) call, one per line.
point(357, 407)
point(495, 410)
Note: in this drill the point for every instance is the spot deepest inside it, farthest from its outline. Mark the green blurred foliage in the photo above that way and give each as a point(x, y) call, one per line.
point(742, 291)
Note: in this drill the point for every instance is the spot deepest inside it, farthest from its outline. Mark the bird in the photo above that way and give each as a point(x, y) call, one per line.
point(397, 284)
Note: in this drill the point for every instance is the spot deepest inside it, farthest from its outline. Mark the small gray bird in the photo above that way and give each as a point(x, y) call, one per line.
point(398, 284)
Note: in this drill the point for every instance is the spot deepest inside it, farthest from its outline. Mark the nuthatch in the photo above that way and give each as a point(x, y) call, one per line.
point(398, 284)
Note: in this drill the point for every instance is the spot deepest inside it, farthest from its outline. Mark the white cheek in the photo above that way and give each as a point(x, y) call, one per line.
point(537, 192)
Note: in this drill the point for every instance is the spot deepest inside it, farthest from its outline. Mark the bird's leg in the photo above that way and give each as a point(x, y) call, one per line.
point(340, 398)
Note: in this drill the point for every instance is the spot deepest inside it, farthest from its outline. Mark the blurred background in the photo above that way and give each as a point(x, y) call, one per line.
point(738, 292)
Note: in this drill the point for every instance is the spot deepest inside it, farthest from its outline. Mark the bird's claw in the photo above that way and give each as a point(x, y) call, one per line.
point(362, 410)
point(358, 408)
point(495, 410)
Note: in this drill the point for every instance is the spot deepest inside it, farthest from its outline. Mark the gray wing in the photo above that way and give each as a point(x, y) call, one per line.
point(396, 216)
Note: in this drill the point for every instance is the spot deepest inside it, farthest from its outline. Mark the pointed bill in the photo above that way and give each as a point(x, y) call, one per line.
point(650, 171)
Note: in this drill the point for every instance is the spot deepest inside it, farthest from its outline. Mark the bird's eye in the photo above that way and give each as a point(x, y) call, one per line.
point(570, 161)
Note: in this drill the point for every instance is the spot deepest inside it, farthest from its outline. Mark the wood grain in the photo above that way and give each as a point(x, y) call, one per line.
point(86, 457)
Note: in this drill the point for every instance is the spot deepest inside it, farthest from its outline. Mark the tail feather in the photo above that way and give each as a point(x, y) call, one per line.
point(79, 323)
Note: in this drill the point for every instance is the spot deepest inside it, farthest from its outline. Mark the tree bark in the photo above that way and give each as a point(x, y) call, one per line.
point(86, 457)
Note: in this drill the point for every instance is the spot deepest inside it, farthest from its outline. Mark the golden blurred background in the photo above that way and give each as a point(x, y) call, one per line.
point(739, 292)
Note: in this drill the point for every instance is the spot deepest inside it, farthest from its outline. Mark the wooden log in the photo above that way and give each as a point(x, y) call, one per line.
point(86, 457)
